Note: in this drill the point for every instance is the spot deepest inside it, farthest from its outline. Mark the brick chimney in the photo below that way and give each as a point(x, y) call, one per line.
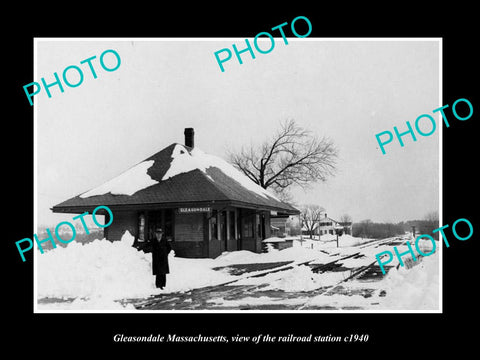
point(189, 137)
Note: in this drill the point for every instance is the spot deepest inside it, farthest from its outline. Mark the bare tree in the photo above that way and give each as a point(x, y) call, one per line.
point(432, 217)
point(292, 156)
point(365, 226)
point(346, 222)
point(310, 216)
point(430, 222)
point(285, 196)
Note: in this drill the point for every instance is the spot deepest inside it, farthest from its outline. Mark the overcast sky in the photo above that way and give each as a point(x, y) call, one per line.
point(346, 90)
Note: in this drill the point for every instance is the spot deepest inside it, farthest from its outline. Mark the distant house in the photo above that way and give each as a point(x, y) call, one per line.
point(328, 225)
point(204, 204)
point(347, 227)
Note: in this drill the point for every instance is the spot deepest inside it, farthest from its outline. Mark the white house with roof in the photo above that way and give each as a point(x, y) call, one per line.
point(327, 225)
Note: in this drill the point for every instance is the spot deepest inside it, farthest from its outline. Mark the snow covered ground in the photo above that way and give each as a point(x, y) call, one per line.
point(98, 274)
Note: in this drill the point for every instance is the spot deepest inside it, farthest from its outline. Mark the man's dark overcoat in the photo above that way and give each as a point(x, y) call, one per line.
point(160, 250)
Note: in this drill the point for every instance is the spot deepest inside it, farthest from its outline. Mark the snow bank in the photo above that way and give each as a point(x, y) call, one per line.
point(103, 271)
point(298, 254)
point(328, 237)
point(127, 183)
point(413, 289)
point(329, 241)
point(112, 270)
point(298, 279)
point(98, 303)
point(97, 273)
point(349, 240)
point(237, 257)
point(416, 288)
point(187, 274)
point(256, 301)
point(295, 253)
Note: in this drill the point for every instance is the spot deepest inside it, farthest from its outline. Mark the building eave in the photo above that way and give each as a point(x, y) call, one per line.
point(78, 209)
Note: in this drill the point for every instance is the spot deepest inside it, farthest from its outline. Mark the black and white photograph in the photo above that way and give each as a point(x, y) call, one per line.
point(258, 188)
point(222, 180)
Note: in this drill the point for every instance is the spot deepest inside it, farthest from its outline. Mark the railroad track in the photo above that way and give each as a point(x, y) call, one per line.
point(228, 289)
point(387, 241)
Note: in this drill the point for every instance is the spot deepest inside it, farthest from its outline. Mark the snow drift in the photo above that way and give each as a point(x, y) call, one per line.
point(100, 268)
point(103, 270)
point(97, 273)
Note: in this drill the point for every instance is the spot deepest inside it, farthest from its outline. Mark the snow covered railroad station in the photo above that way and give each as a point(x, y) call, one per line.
point(204, 204)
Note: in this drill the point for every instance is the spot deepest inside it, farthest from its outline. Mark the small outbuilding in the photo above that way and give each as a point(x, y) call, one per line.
point(278, 243)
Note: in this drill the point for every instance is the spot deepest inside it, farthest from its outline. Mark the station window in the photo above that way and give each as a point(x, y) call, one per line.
point(213, 225)
point(232, 224)
point(223, 225)
point(259, 227)
point(248, 226)
point(169, 224)
point(141, 227)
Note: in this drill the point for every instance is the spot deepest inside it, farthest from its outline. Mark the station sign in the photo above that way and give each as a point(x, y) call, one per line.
point(194, 210)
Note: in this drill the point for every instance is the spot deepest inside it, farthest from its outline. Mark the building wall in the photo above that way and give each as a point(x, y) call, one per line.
point(189, 227)
point(189, 249)
point(192, 238)
point(215, 248)
point(247, 228)
point(232, 245)
point(232, 230)
point(254, 230)
point(268, 228)
point(327, 226)
point(190, 235)
point(221, 237)
point(122, 221)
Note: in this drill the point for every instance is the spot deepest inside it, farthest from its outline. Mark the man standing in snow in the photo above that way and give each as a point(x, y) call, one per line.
point(160, 249)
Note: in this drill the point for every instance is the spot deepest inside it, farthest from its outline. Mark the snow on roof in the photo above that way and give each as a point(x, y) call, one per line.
point(184, 161)
point(177, 174)
point(327, 219)
point(127, 183)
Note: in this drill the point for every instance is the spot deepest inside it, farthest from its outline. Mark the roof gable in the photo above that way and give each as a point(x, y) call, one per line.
point(177, 174)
